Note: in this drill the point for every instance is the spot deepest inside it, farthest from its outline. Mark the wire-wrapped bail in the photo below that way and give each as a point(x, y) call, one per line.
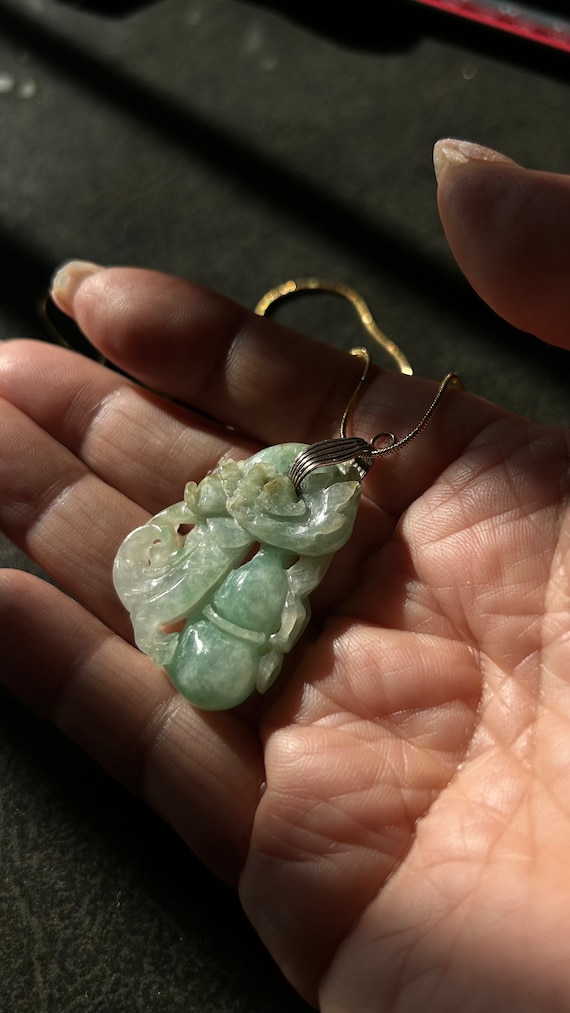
point(327, 452)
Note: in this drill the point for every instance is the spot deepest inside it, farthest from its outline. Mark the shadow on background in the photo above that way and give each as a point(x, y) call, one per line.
point(109, 8)
point(394, 25)
point(24, 281)
point(159, 885)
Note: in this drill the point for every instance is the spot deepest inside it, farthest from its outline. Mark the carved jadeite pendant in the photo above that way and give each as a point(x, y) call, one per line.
point(217, 585)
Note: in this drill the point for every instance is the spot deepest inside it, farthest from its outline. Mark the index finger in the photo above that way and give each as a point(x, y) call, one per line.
point(207, 351)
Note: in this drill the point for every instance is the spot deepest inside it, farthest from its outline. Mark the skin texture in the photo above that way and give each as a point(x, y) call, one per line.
point(397, 816)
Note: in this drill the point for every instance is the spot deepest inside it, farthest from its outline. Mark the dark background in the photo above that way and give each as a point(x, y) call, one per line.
point(239, 145)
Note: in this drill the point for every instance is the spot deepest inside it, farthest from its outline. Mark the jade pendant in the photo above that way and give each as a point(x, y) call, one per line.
point(218, 584)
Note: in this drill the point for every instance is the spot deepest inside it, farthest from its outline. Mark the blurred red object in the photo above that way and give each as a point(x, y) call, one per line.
point(545, 25)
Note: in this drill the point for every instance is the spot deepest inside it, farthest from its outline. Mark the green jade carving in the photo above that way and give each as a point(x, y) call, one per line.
point(217, 585)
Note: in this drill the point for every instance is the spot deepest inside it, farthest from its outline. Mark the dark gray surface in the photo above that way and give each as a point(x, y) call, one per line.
point(224, 142)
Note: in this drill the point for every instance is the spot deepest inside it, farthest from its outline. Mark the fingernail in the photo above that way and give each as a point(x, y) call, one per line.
point(453, 152)
point(67, 280)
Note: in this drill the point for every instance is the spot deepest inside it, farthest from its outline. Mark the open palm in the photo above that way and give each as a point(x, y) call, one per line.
point(397, 815)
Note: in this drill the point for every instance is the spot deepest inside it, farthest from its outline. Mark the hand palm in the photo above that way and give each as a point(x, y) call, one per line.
point(420, 753)
point(410, 845)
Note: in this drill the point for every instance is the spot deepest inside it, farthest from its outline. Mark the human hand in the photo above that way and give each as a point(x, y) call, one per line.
point(398, 816)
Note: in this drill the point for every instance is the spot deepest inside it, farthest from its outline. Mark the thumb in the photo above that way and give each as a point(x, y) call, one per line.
point(509, 231)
